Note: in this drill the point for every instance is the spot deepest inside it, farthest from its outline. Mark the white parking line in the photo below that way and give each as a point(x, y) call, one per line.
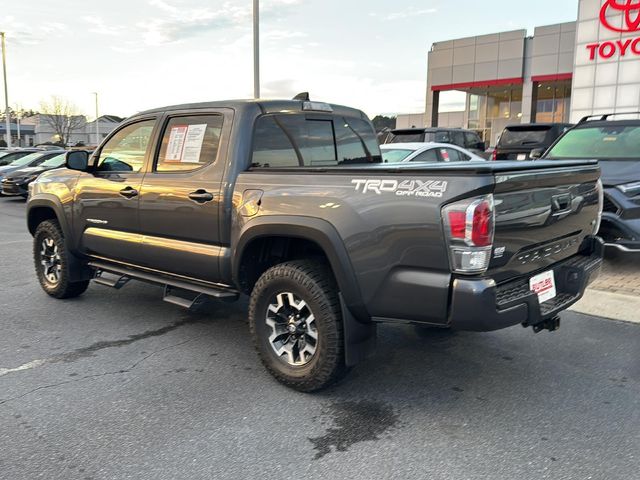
point(26, 366)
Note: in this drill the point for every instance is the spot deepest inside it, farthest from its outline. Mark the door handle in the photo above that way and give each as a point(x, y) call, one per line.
point(129, 192)
point(201, 196)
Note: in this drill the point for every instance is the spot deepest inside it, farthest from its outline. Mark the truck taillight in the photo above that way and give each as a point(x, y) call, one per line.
point(469, 227)
point(494, 155)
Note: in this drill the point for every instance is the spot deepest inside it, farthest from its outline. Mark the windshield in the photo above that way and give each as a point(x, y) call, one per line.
point(2, 154)
point(26, 160)
point(395, 155)
point(519, 136)
point(57, 161)
point(616, 142)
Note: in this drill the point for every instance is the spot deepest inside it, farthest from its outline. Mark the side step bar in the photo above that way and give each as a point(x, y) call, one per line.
point(125, 274)
point(188, 303)
point(117, 283)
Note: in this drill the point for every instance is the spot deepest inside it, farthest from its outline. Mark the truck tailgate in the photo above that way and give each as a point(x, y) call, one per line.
point(542, 217)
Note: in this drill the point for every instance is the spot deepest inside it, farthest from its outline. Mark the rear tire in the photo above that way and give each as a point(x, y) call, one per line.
point(51, 259)
point(296, 325)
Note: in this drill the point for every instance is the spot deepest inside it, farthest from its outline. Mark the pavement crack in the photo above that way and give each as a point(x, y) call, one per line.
point(93, 377)
point(90, 351)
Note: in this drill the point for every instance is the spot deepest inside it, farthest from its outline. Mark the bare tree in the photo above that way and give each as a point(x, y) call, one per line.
point(63, 117)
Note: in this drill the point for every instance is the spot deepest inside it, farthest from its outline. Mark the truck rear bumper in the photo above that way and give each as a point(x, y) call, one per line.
point(481, 305)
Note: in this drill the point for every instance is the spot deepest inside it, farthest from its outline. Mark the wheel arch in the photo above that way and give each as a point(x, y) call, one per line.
point(41, 209)
point(316, 232)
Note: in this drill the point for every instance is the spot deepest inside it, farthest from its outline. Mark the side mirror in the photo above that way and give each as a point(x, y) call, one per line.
point(77, 160)
point(536, 153)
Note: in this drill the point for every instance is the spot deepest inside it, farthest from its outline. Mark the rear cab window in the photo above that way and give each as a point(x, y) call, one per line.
point(517, 136)
point(303, 140)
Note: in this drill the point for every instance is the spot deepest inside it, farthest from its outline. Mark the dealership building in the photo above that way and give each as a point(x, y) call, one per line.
point(560, 74)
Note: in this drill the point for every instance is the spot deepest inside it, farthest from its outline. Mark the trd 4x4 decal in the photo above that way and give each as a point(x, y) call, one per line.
point(405, 188)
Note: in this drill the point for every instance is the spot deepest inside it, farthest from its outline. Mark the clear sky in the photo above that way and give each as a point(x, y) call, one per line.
point(140, 54)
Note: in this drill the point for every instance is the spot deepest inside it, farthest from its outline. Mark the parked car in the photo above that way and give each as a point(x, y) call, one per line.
point(289, 202)
point(467, 139)
point(518, 141)
point(49, 146)
point(30, 160)
point(426, 153)
point(10, 156)
point(17, 182)
point(616, 144)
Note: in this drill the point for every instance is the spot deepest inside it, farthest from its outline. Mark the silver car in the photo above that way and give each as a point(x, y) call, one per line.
point(426, 153)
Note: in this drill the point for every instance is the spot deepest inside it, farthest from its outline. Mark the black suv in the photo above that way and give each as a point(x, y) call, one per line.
point(455, 136)
point(528, 140)
point(616, 144)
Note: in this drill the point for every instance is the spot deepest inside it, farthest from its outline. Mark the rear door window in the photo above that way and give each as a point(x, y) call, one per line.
point(428, 156)
point(450, 155)
point(458, 139)
point(189, 143)
point(471, 140)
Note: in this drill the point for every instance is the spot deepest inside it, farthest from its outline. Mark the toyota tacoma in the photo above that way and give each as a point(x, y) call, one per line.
point(289, 202)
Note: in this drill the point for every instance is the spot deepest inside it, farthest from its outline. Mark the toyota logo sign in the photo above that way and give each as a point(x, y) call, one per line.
point(630, 10)
point(631, 15)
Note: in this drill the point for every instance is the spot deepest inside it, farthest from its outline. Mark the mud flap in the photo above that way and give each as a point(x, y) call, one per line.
point(359, 338)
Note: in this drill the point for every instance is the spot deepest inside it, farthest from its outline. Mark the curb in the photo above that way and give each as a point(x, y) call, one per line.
point(615, 306)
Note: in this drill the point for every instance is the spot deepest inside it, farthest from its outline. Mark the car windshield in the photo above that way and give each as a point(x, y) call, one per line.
point(21, 162)
point(615, 142)
point(2, 154)
point(57, 161)
point(395, 155)
point(521, 136)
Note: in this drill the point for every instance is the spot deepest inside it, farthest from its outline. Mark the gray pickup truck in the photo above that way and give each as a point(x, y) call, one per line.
point(288, 202)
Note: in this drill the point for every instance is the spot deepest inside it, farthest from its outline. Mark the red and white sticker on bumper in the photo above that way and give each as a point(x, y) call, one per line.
point(544, 285)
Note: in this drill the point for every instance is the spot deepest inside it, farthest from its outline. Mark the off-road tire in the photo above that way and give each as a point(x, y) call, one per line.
point(314, 283)
point(63, 288)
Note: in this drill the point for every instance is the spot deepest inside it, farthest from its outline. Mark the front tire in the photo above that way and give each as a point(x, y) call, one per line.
point(296, 325)
point(51, 259)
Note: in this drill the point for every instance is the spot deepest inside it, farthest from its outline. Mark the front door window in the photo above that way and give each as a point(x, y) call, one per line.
point(126, 150)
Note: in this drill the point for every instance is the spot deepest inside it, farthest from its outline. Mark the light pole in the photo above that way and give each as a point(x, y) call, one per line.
point(256, 48)
point(6, 90)
point(18, 117)
point(97, 123)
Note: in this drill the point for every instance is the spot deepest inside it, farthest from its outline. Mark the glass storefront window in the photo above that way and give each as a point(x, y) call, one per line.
point(553, 99)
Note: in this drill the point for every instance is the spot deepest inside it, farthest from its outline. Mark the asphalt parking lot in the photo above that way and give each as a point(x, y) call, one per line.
point(118, 384)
